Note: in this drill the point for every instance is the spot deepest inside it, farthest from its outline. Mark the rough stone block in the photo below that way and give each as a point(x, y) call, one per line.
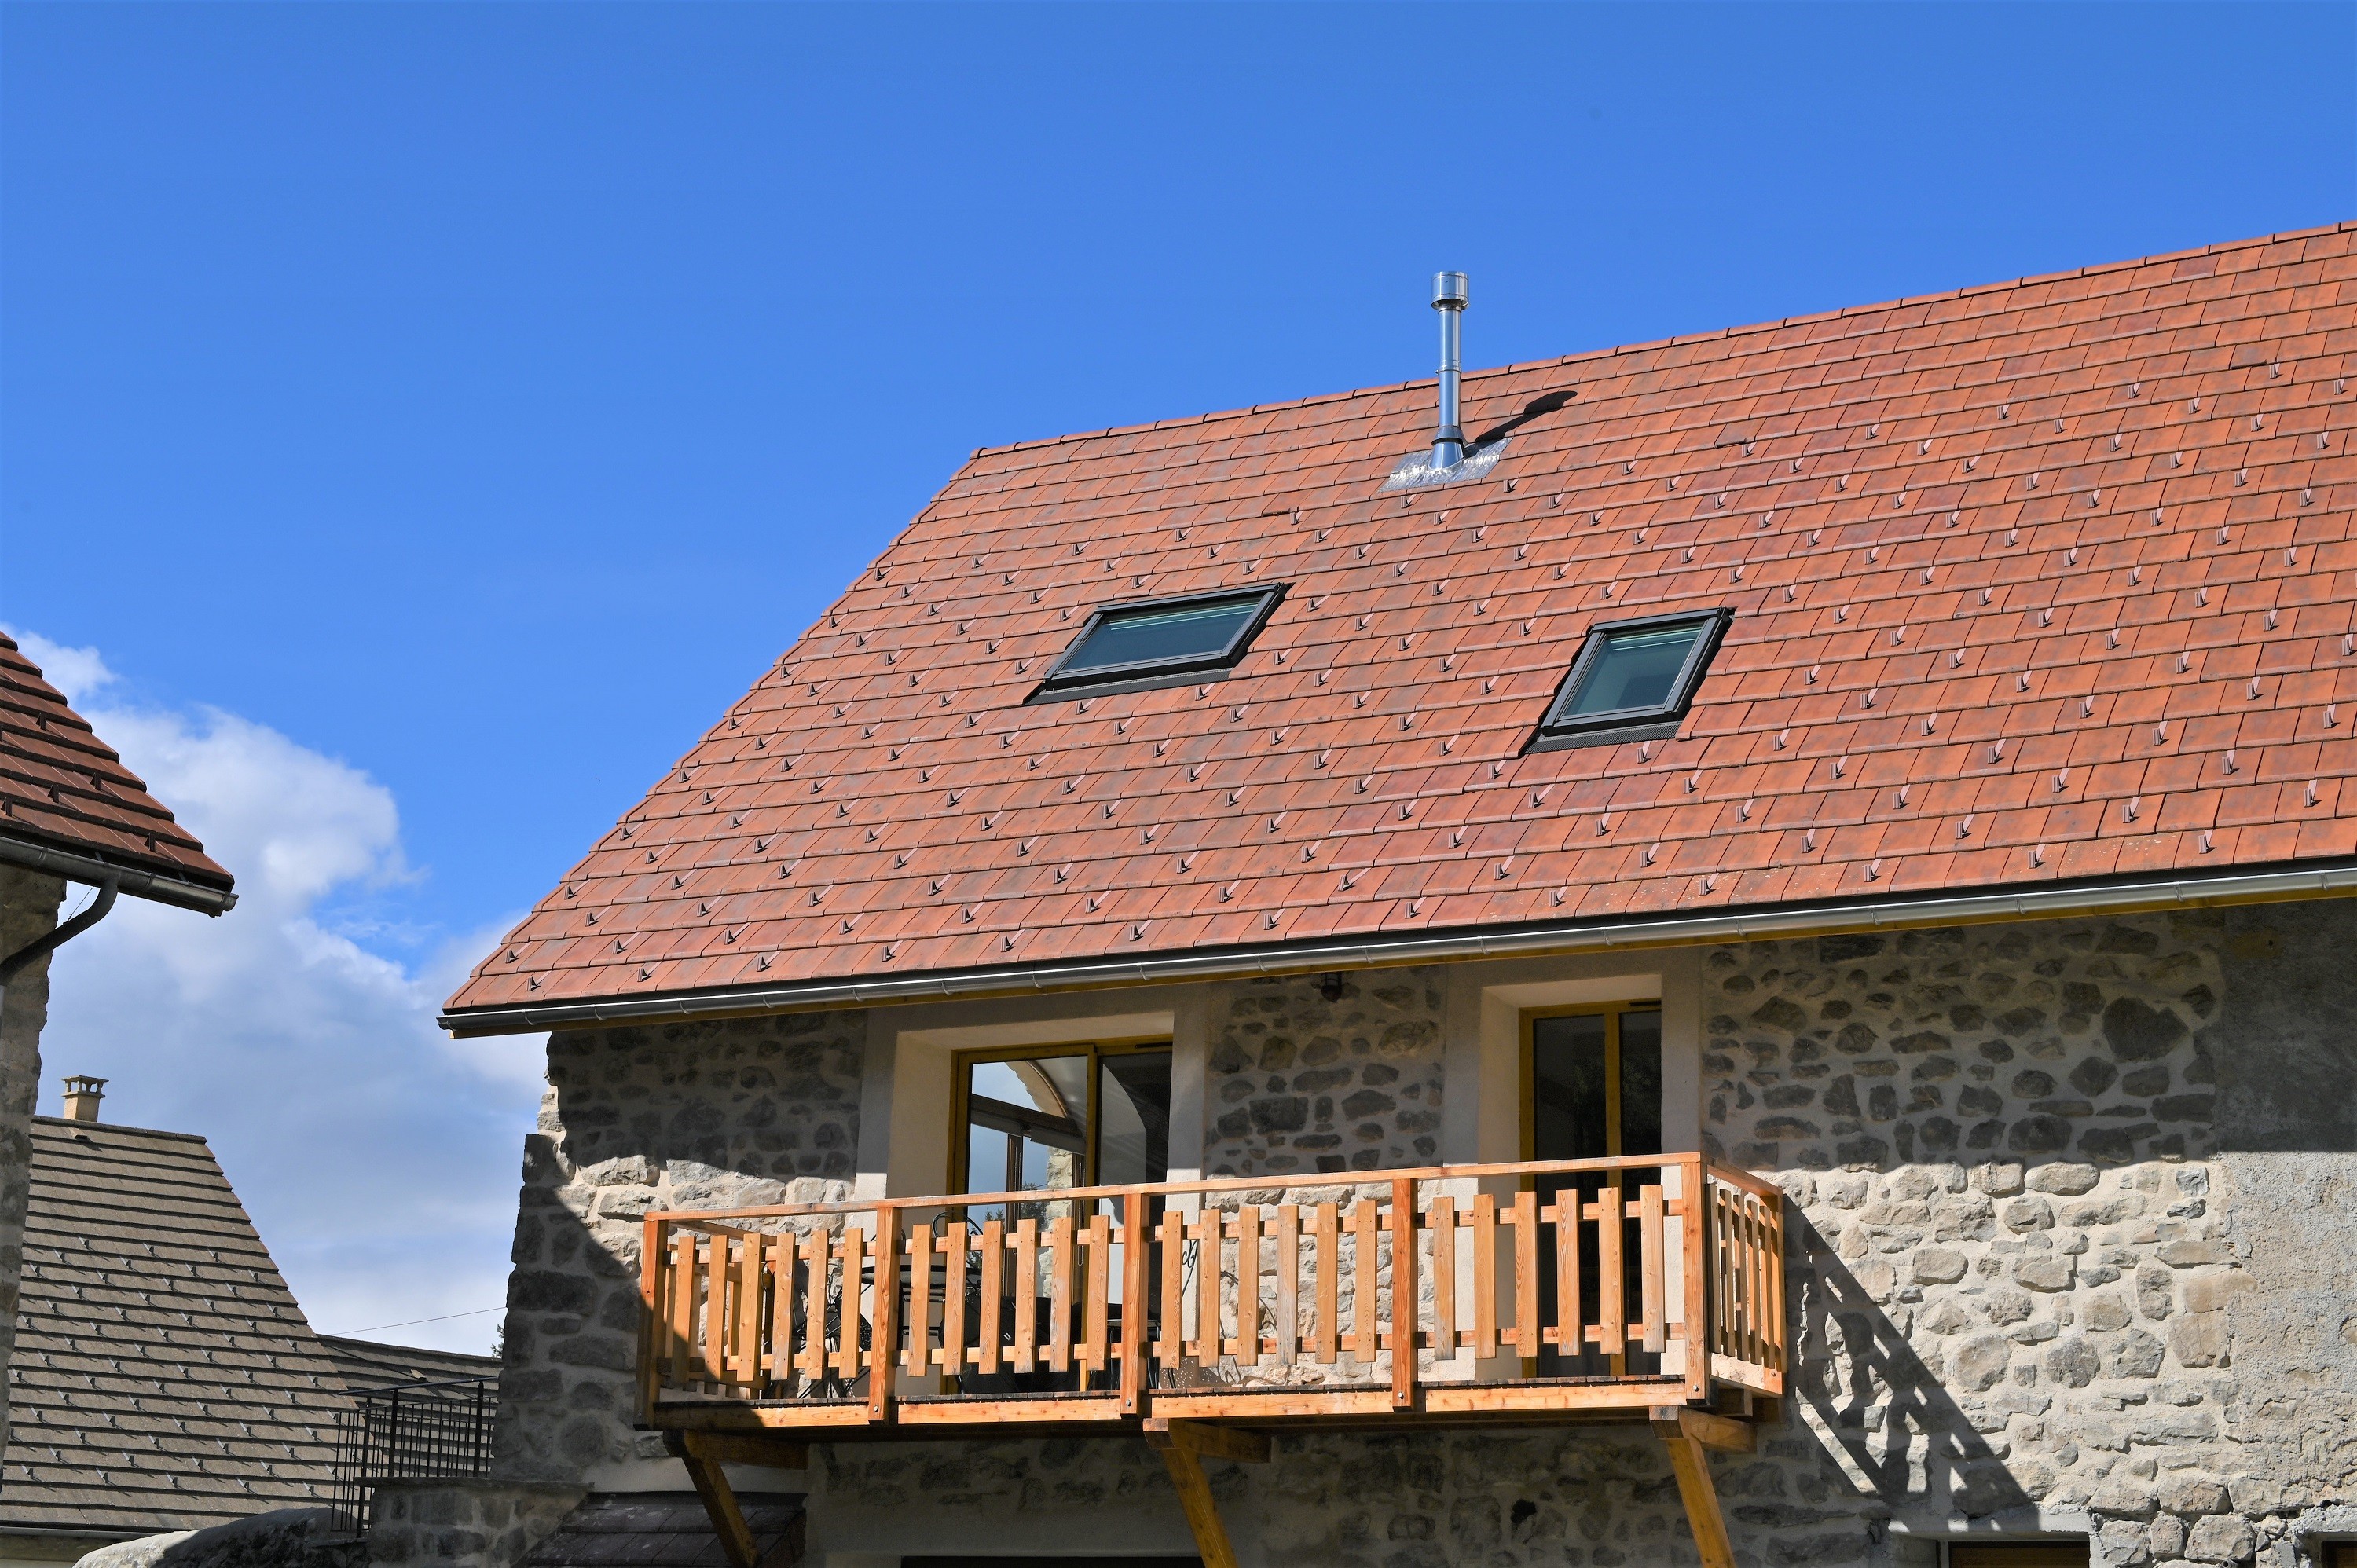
point(2064, 1180)
point(2200, 1338)
point(2222, 1538)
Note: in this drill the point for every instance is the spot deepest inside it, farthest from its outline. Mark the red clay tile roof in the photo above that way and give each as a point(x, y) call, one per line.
point(63, 788)
point(2041, 581)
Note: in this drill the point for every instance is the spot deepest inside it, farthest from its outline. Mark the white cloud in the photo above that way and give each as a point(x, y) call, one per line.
point(377, 1157)
point(75, 672)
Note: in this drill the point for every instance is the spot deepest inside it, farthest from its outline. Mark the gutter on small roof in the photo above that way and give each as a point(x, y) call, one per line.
point(2124, 896)
point(96, 872)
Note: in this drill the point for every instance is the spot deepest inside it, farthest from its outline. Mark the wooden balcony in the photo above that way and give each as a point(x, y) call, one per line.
point(1203, 1315)
point(1460, 1294)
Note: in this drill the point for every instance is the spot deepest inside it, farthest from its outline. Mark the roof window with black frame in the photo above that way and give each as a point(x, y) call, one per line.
point(1632, 681)
point(1148, 643)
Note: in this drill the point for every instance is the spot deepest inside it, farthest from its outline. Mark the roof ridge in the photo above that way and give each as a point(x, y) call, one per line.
point(1675, 339)
point(116, 1127)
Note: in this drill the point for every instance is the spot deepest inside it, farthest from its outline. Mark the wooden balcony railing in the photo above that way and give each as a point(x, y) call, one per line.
point(1582, 1286)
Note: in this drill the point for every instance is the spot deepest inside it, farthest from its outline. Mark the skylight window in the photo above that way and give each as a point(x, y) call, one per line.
point(1632, 679)
point(1160, 642)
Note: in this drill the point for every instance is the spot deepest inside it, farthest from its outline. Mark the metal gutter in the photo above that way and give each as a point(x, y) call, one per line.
point(97, 872)
point(57, 936)
point(2120, 897)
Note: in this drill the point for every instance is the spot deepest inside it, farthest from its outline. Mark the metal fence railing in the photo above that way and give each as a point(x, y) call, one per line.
point(416, 1431)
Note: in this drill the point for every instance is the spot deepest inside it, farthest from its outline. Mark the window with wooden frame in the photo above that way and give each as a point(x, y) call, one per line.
point(1591, 1090)
point(1045, 1118)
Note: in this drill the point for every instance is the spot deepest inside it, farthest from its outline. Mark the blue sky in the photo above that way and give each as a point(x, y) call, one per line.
point(474, 398)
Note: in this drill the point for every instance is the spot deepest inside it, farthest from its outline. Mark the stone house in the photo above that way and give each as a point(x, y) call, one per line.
point(1741, 965)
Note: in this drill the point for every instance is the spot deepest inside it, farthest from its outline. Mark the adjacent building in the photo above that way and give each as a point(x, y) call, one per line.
point(1728, 950)
point(70, 813)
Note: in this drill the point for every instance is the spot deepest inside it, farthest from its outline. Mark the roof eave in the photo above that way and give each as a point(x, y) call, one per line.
point(2118, 895)
point(139, 881)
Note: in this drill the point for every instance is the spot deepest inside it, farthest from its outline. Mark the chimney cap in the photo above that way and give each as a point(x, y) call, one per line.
point(1448, 290)
point(82, 1095)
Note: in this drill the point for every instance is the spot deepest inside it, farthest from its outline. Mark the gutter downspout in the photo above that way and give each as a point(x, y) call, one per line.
point(59, 935)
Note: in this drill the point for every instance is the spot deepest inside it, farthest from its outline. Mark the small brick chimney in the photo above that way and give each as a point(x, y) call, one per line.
point(82, 1095)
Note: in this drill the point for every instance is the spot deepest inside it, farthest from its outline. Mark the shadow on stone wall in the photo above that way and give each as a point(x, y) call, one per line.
point(1890, 1411)
point(732, 1113)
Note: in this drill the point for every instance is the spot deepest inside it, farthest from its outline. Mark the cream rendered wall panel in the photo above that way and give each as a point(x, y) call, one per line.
point(907, 1095)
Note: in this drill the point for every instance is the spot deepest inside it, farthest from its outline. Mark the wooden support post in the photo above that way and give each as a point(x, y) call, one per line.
point(1136, 1251)
point(1403, 1293)
point(1182, 1445)
point(884, 1315)
point(720, 1505)
point(1685, 1434)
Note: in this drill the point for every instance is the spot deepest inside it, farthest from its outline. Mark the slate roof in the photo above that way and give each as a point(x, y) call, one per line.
point(669, 1528)
point(365, 1364)
point(164, 1378)
point(2037, 582)
point(63, 788)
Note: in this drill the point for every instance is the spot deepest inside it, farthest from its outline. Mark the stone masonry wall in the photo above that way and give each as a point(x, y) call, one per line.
point(2012, 1254)
point(2074, 1247)
point(712, 1115)
point(1296, 1083)
point(28, 910)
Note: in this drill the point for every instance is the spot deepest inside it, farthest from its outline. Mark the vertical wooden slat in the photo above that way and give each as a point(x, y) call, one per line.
point(1061, 1246)
point(1611, 1274)
point(1097, 1281)
point(1172, 1346)
point(1245, 1343)
point(1286, 1343)
point(994, 1285)
point(1746, 1324)
point(1650, 1241)
point(1209, 1231)
point(952, 1358)
point(851, 1256)
point(918, 1358)
point(1570, 1333)
point(1694, 1185)
point(1759, 1283)
point(683, 1284)
point(1775, 1308)
point(1526, 1273)
point(1027, 1296)
point(818, 1251)
point(714, 1266)
point(884, 1354)
point(1365, 1341)
point(781, 1307)
point(1326, 1231)
point(1485, 1275)
point(1403, 1293)
point(1719, 1276)
point(1136, 1255)
point(1441, 1220)
point(746, 1360)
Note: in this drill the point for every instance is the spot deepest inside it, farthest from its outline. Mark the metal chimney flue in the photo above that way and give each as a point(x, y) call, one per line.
point(1449, 299)
point(82, 1095)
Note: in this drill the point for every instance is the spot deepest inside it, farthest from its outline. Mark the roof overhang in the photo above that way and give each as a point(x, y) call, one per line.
point(2116, 896)
point(137, 881)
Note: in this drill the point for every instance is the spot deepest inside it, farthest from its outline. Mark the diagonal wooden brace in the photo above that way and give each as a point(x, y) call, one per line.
point(703, 1453)
point(1182, 1445)
point(1688, 1435)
